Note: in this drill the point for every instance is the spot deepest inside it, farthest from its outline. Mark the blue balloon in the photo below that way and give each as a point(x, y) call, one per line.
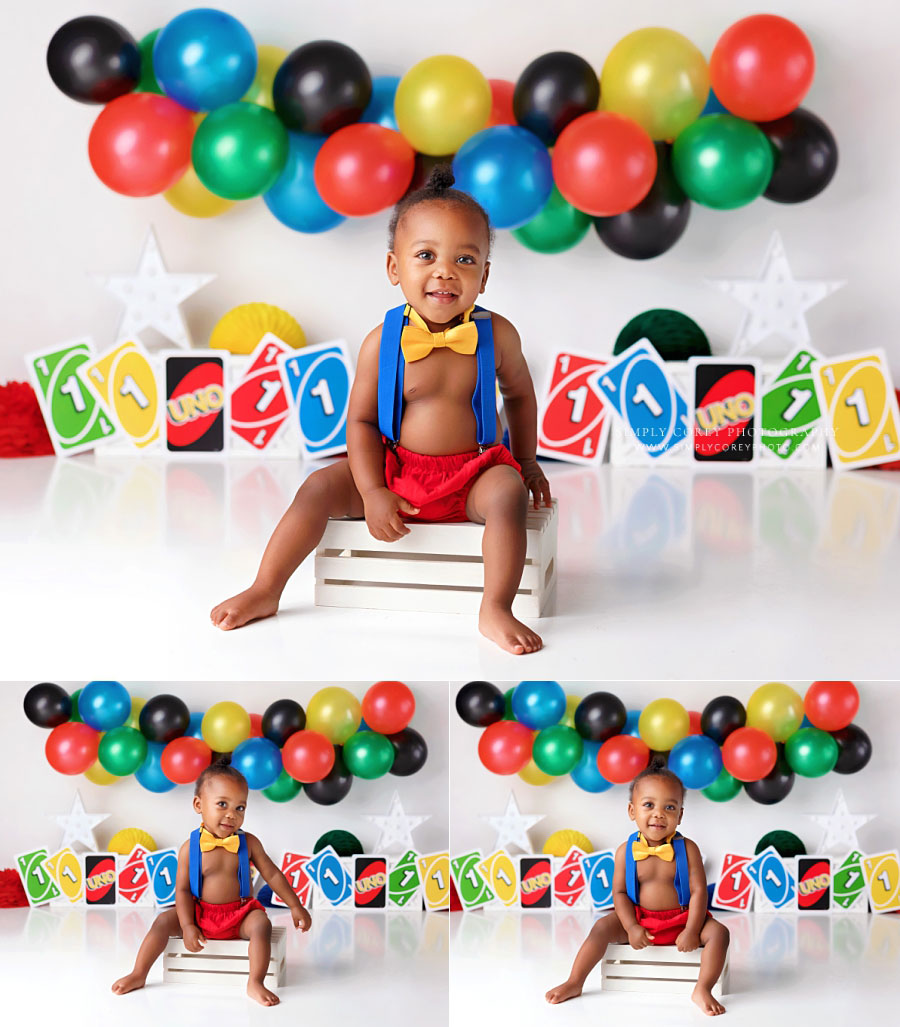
point(193, 730)
point(538, 704)
point(381, 107)
point(586, 774)
point(150, 774)
point(507, 169)
point(204, 59)
point(294, 198)
point(259, 760)
point(697, 760)
point(631, 723)
point(104, 705)
point(713, 106)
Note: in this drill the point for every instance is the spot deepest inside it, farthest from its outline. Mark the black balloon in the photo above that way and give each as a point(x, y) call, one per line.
point(321, 87)
point(282, 719)
point(599, 716)
point(855, 749)
point(410, 752)
point(721, 716)
point(47, 705)
point(656, 223)
point(480, 703)
point(806, 156)
point(93, 59)
point(552, 91)
point(776, 785)
point(334, 786)
point(163, 718)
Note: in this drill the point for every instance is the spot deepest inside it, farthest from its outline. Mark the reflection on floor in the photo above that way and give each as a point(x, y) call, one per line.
point(788, 969)
point(113, 553)
point(350, 968)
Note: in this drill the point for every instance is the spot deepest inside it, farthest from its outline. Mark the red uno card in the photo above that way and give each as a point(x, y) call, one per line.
point(133, 877)
point(568, 881)
point(734, 889)
point(370, 882)
point(195, 403)
point(259, 402)
point(814, 884)
point(100, 873)
point(293, 866)
point(535, 882)
point(573, 422)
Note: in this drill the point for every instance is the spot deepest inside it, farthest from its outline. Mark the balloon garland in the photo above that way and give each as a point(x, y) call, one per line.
point(197, 112)
point(102, 732)
point(540, 733)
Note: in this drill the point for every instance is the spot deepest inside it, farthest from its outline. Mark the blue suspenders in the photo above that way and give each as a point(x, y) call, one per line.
point(195, 865)
point(682, 875)
point(392, 366)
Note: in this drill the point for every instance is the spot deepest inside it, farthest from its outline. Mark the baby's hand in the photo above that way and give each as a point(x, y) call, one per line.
point(687, 941)
point(639, 937)
point(382, 508)
point(536, 482)
point(302, 919)
point(193, 939)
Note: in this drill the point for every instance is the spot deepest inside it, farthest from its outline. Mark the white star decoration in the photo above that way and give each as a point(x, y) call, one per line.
point(78, 826)
point(512, 826)
point(775, 302)
point(396, 828)
point(151, 296)
point(840, 827)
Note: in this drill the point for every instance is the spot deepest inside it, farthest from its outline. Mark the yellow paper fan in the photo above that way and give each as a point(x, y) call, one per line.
point(125, 840)
point(241, 328)
point(559, 843)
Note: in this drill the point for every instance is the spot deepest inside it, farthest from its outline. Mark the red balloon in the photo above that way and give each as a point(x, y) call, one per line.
point(388, 707)
point(604, 163)
point(762, 67)
point(749, 754)
point(831, 705)
point(308, 756)
point(256, 725)
point(140, 144)
point(501, 102)
point(622, 757)
point(184, 759)
point(505, 747)
point(71, 748)
point(695, 728)
point(363, 168)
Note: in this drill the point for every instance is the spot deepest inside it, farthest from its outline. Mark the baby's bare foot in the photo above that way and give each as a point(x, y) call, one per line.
point(254, 604)
point(703, 998)
point(262, 994)
point(498, 624)
point(130, 983)
point(566, 990)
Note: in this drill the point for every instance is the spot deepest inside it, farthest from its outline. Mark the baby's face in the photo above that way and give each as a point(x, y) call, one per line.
point(656, 808)
point(221, 803)
point(440, 259)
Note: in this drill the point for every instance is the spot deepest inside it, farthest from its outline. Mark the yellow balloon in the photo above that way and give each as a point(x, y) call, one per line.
point(98, 775)
point(776, 709)
point(224, 726)
point(568, 718)
point(134, 720)
point(268, 60)
point(658, 78)
point(532, 774)
point(335, 713)
point(440, 102)
point(662, 723)
point(190, 196)
point(559, 843)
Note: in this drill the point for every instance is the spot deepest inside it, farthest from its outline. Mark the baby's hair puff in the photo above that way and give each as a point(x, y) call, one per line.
point(438, 188)
point(656, 768)
point(221, 768)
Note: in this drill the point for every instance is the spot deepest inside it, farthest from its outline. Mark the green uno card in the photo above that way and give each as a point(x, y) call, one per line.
point(404, 881)
point(471, 887)
point(790, 406)
point(849, 883)
point(36, 880)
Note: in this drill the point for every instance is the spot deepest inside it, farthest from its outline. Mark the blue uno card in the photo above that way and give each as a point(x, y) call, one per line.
point(772, 878)
point(637, 387)
point(598, 873)
point(318, 379)
point(330, 876)
point(162, 867)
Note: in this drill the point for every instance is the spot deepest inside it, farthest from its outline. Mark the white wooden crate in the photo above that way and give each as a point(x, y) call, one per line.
point(659, 968)
point(223, 963)
point(436, 568)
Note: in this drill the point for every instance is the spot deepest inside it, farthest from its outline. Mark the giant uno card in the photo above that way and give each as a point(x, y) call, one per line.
point(196, 411)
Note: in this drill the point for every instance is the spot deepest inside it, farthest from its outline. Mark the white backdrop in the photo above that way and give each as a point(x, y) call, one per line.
point(733, 826)
point(60, 223)
point(35, 791)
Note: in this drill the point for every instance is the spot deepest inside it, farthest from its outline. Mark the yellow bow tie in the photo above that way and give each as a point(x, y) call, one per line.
point(417, 341)
point(641, 850)
point(208, 841)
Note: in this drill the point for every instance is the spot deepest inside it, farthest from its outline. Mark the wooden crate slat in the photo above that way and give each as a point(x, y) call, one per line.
point(217, 980)
point(424, 600)
point(659, 968)
point(218, 964)
point(414, 572)
point(669, 971)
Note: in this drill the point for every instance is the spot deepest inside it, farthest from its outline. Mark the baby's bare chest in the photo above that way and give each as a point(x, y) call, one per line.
point(443, 374)
point(220, 863)
point(654, 869)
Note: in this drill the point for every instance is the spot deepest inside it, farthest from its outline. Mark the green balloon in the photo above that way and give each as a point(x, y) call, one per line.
point(811, 752)
point(239, 150)
point(147, 82)
point(723, 161)
point(556, 750)
point(507, 703)
point(284, 789)
point(558, 226)
point(122, 751)
point(724, 787)
point(76, 716)
point(368, 755)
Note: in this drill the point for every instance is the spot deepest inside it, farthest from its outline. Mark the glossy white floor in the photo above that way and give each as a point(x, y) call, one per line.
point(345, 971)
point(784, 970)
point(115, 565)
